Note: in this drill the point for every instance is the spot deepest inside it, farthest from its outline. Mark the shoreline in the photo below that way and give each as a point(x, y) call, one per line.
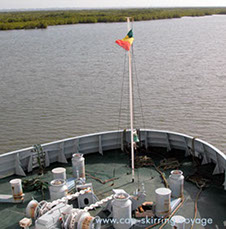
point(42, 19)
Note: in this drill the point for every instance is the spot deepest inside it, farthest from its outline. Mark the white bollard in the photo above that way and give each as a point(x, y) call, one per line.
point(59, 173)
point(176, 183)
point(78, 163)
point(17, 190)
point(178, 222)
point(122, 210)
point(58, 189)
point(163, 198)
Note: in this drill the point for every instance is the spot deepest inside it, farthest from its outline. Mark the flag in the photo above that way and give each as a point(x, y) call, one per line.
point(127, 41)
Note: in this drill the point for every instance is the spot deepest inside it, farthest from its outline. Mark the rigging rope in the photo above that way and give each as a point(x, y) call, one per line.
point(134, 73)
point(122, 87)
point(136, 80)
point(138, 87)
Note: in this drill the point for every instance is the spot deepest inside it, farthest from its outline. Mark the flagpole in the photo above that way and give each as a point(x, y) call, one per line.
point(131, 104)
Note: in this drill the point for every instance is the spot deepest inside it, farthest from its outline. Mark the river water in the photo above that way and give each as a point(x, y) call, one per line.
point(66, 80)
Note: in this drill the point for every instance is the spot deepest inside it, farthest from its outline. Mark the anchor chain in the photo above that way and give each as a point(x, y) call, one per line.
point(45, 206)
point(98, 203)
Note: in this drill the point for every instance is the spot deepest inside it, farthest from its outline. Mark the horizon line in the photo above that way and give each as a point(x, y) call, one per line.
point(102, 8)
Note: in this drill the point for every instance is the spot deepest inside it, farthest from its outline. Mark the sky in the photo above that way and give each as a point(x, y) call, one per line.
point(28, 4)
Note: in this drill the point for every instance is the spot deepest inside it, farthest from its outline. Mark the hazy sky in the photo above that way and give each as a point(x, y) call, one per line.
point(18, 4)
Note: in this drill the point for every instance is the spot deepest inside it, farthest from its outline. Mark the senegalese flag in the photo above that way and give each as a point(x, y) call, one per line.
point(127, 41)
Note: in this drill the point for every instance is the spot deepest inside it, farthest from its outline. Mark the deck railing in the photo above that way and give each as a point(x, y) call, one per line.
point(22, 161)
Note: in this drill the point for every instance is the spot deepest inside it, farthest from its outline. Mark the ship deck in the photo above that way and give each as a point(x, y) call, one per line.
point(211, 202)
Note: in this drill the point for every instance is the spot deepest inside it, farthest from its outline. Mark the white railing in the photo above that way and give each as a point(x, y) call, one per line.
point(21, 161)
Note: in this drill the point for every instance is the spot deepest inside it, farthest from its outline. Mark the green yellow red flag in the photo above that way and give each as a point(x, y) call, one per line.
point(127, 41)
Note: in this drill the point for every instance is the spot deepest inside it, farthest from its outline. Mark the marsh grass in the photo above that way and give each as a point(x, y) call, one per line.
point(43, 19)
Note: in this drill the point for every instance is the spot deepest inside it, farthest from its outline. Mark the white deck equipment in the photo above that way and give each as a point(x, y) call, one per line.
point(176, 183)
point(163, 199)
point(122, 210)
point(59, 173)
point(58, 189)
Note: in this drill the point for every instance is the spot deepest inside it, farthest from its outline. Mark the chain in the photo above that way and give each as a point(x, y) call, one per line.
point(77, 194)
point(98, 203)
point(86, 209)
point(45, 206)
point(41, 209)
point(73, 218)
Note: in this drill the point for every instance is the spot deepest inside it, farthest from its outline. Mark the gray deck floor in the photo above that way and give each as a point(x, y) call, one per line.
point(211, 204)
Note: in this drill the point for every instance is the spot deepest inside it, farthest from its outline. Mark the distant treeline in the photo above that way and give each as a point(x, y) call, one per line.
point(43, 19)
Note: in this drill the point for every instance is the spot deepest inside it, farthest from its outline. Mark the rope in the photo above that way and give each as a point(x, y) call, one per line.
point(147, 161)
point(170, 163)
point(101, 181)
point(198, 180)
point(196, 207)
point(121, 97)
point(138, 87)
point(40, 157)
point(201, 183)
point(162, 175)
point(172, 214)
point(134, 72)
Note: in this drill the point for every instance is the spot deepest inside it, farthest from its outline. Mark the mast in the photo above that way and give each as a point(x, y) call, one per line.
point(131, 104)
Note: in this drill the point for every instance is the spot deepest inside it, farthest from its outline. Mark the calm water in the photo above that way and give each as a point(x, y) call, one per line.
point(66, 81)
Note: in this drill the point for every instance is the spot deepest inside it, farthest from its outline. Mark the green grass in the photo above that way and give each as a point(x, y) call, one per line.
point(43, 19)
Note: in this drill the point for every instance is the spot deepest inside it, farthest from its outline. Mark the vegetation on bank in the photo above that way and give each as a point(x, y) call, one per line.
point(43, 19)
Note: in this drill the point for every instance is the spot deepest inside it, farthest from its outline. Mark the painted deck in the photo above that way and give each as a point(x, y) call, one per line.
point(211, 204)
